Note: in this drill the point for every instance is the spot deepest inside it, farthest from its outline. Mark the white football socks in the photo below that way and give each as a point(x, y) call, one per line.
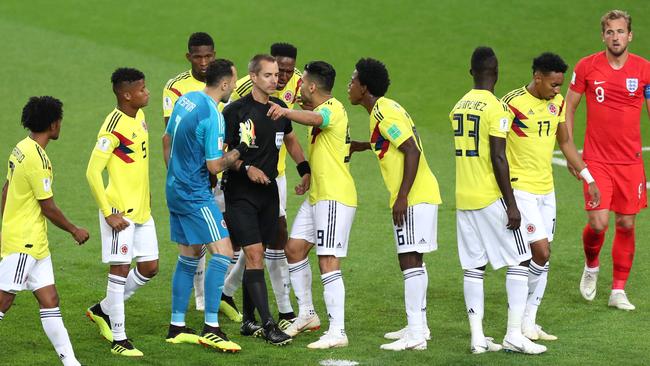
point(199, 276)
point(276, 263)
point(133, 282)
point(474, 302)
point(537, 278)
point(414, 292)
point(53, 326)
point(300, 275)
point(113, 305)
point(236, 275)
point(334, 296)
point(517, 289)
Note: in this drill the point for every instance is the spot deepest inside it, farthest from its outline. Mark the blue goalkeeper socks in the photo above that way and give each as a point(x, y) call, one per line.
point(182, 283)
point(214, 279)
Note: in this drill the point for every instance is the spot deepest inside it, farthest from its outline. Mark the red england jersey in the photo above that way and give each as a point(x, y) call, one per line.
point(614, 104)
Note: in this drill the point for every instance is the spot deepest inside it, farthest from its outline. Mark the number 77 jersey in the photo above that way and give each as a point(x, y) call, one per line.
point(478, 115)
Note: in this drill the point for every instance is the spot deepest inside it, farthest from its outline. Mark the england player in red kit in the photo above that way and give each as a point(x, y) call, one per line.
point(615, 83)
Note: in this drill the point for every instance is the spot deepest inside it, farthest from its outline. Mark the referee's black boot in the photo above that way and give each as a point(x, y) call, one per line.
point(274, 335)
point(250, 329)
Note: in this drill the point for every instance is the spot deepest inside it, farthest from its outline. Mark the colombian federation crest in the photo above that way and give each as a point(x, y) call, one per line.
point(552, 109)
point(288, 96)
point(632, 84)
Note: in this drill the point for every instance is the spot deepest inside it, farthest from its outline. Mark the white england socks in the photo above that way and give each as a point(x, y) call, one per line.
point(53, 326)
point(276, 263)
point(300, 275)
point(537, 277)
point(113, 305)
point(133, 282)
point(334, 296)
point(474, 302)
point(517, 289)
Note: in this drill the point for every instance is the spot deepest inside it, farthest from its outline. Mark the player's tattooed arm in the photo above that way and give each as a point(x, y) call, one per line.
point(226, 161)
point(502, 175)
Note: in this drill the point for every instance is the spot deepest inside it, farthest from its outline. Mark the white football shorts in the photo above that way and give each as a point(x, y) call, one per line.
point(537, 214)
point(326, 224)
point(483, 237)
point(20, 271)
point(137, 241)
point(419, 233)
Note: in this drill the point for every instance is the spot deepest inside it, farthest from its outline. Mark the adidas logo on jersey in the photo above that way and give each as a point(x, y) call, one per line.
point(338, 246)
point(422, 241)
point(134, 136)
point(530, 113)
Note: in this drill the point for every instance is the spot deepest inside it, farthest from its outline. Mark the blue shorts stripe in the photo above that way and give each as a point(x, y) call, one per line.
point(209, 223)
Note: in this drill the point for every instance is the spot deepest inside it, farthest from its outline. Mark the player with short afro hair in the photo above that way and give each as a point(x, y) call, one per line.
point(374, 75)
point(282, 49)
point(549, 62)
point(198, 39)
point(41, 112)
point(125, 75)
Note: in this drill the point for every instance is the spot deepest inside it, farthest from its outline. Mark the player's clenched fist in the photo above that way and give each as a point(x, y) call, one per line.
point(80, 235)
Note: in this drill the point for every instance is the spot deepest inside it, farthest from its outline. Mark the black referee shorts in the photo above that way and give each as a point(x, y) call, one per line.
point(253, 217)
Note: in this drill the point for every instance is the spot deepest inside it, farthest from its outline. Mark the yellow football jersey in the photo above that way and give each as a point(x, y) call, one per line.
point(477, 116)
point(329, 156)
point(29, 175)
point(123, 149)
point(390, 126)
point(183, 83)
point(288, 95)
point(531, 139)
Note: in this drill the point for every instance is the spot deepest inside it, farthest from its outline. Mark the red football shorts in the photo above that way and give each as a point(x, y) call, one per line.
point(622, 187)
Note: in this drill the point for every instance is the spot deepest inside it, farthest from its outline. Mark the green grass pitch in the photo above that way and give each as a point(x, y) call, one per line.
point(69, 49)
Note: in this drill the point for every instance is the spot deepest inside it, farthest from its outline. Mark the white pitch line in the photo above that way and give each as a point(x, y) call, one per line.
point(333, 362)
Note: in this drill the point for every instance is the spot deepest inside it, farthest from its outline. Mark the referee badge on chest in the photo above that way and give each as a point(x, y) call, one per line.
point(279, 138)
point(632, 84)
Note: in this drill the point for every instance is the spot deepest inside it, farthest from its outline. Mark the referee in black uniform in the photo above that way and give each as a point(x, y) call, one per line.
point(251, 193)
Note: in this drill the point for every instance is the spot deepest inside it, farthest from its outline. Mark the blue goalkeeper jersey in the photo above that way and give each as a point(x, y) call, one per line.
point(197, 130)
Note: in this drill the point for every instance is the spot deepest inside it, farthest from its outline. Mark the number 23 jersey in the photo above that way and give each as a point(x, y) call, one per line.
point(478, 115)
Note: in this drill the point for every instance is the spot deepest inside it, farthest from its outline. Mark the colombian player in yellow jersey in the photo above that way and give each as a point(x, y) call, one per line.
point(200, 52)
point(325, 218)
point(538, 123)
point(414, 193)
point(487, 216)
point(127, 228)
point(287, 90)
point(27, 200)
